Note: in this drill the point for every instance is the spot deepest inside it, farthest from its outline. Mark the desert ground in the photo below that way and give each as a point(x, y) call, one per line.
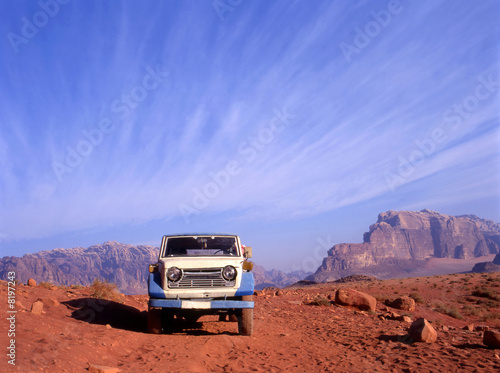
point(296, 329)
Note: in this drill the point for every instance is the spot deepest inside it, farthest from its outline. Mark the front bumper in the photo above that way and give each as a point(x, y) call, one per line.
point(200, 304)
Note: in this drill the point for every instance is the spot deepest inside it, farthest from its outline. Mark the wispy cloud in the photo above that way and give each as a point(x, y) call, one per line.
point(351, 121)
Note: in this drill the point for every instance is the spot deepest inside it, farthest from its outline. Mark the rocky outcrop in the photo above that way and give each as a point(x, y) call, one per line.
point(485, 267)
point(402, 240)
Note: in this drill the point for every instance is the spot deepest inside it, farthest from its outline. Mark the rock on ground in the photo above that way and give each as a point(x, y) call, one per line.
point(37, 307)
point(491, 338)
point(422, 331)
point(403, 303)
point(102, 369)
point(356, 299)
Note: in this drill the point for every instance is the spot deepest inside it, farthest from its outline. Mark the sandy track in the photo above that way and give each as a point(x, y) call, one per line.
point(289, 336)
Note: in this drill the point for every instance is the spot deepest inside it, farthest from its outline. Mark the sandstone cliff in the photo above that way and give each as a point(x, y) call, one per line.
point(402, 240)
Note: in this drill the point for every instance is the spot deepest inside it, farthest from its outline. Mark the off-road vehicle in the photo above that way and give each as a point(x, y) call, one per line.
point(201, 274)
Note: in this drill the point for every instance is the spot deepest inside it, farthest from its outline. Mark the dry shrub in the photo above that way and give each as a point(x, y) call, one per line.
point(449, 310)
point(381, 298)
point(491, 316)
point(486, 303)
point(486, 293)
point(495, 281)
point(45, 285)
point(471, 310)
point(106, 290)
point(417, 298)
point(320, 300)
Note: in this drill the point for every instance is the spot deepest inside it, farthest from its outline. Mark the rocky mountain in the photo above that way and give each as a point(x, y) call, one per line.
point(275, 278)
point(400, 241)
point(124, 265)
point(493, 266)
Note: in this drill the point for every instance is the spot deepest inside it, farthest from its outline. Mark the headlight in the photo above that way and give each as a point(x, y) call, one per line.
point(229, 273)
point(174, 274)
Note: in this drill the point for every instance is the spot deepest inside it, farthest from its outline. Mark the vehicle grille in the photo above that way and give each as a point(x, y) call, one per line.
point(201, 278)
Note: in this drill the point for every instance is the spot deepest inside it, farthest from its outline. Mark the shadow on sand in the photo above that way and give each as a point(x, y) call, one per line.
point(395, 338)
point(121, 316)
point(103, 312)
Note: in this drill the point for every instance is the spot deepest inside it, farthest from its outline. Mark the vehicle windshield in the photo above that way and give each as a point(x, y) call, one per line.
point(201, 246)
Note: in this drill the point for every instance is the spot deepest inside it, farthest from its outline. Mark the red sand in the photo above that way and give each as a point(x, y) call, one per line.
point(289, 335)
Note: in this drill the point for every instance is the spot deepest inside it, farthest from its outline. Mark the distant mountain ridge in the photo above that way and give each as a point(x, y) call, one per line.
point(397, 244)
point(401, 241)
point(125, 265)
point(275, 278)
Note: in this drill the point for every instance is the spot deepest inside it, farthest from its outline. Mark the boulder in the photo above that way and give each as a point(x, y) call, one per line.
point(422, 331)
point(469, 327)
point(405, 319)
point(394, 316)
point(403, 303)
point(102, 369)
point(19, 305)
point(491, 338)
point(37, 307)
point(31, 282)
point(49, 302)
point(356, 299)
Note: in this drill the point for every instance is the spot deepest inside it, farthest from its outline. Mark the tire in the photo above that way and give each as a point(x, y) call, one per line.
point(245, 320)
point(167, 320)
point(154, 320)
point(233, 317)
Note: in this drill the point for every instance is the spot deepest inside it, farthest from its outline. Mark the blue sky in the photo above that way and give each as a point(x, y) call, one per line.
point(290, 123)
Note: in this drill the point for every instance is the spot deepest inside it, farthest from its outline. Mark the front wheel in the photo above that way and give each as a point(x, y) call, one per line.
point(245, 320)
point(154, 320)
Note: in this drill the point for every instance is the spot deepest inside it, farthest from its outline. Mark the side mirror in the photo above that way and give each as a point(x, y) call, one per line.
point(248, 252)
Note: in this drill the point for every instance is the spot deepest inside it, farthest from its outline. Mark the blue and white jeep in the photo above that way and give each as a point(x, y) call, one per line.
point(201, 274)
